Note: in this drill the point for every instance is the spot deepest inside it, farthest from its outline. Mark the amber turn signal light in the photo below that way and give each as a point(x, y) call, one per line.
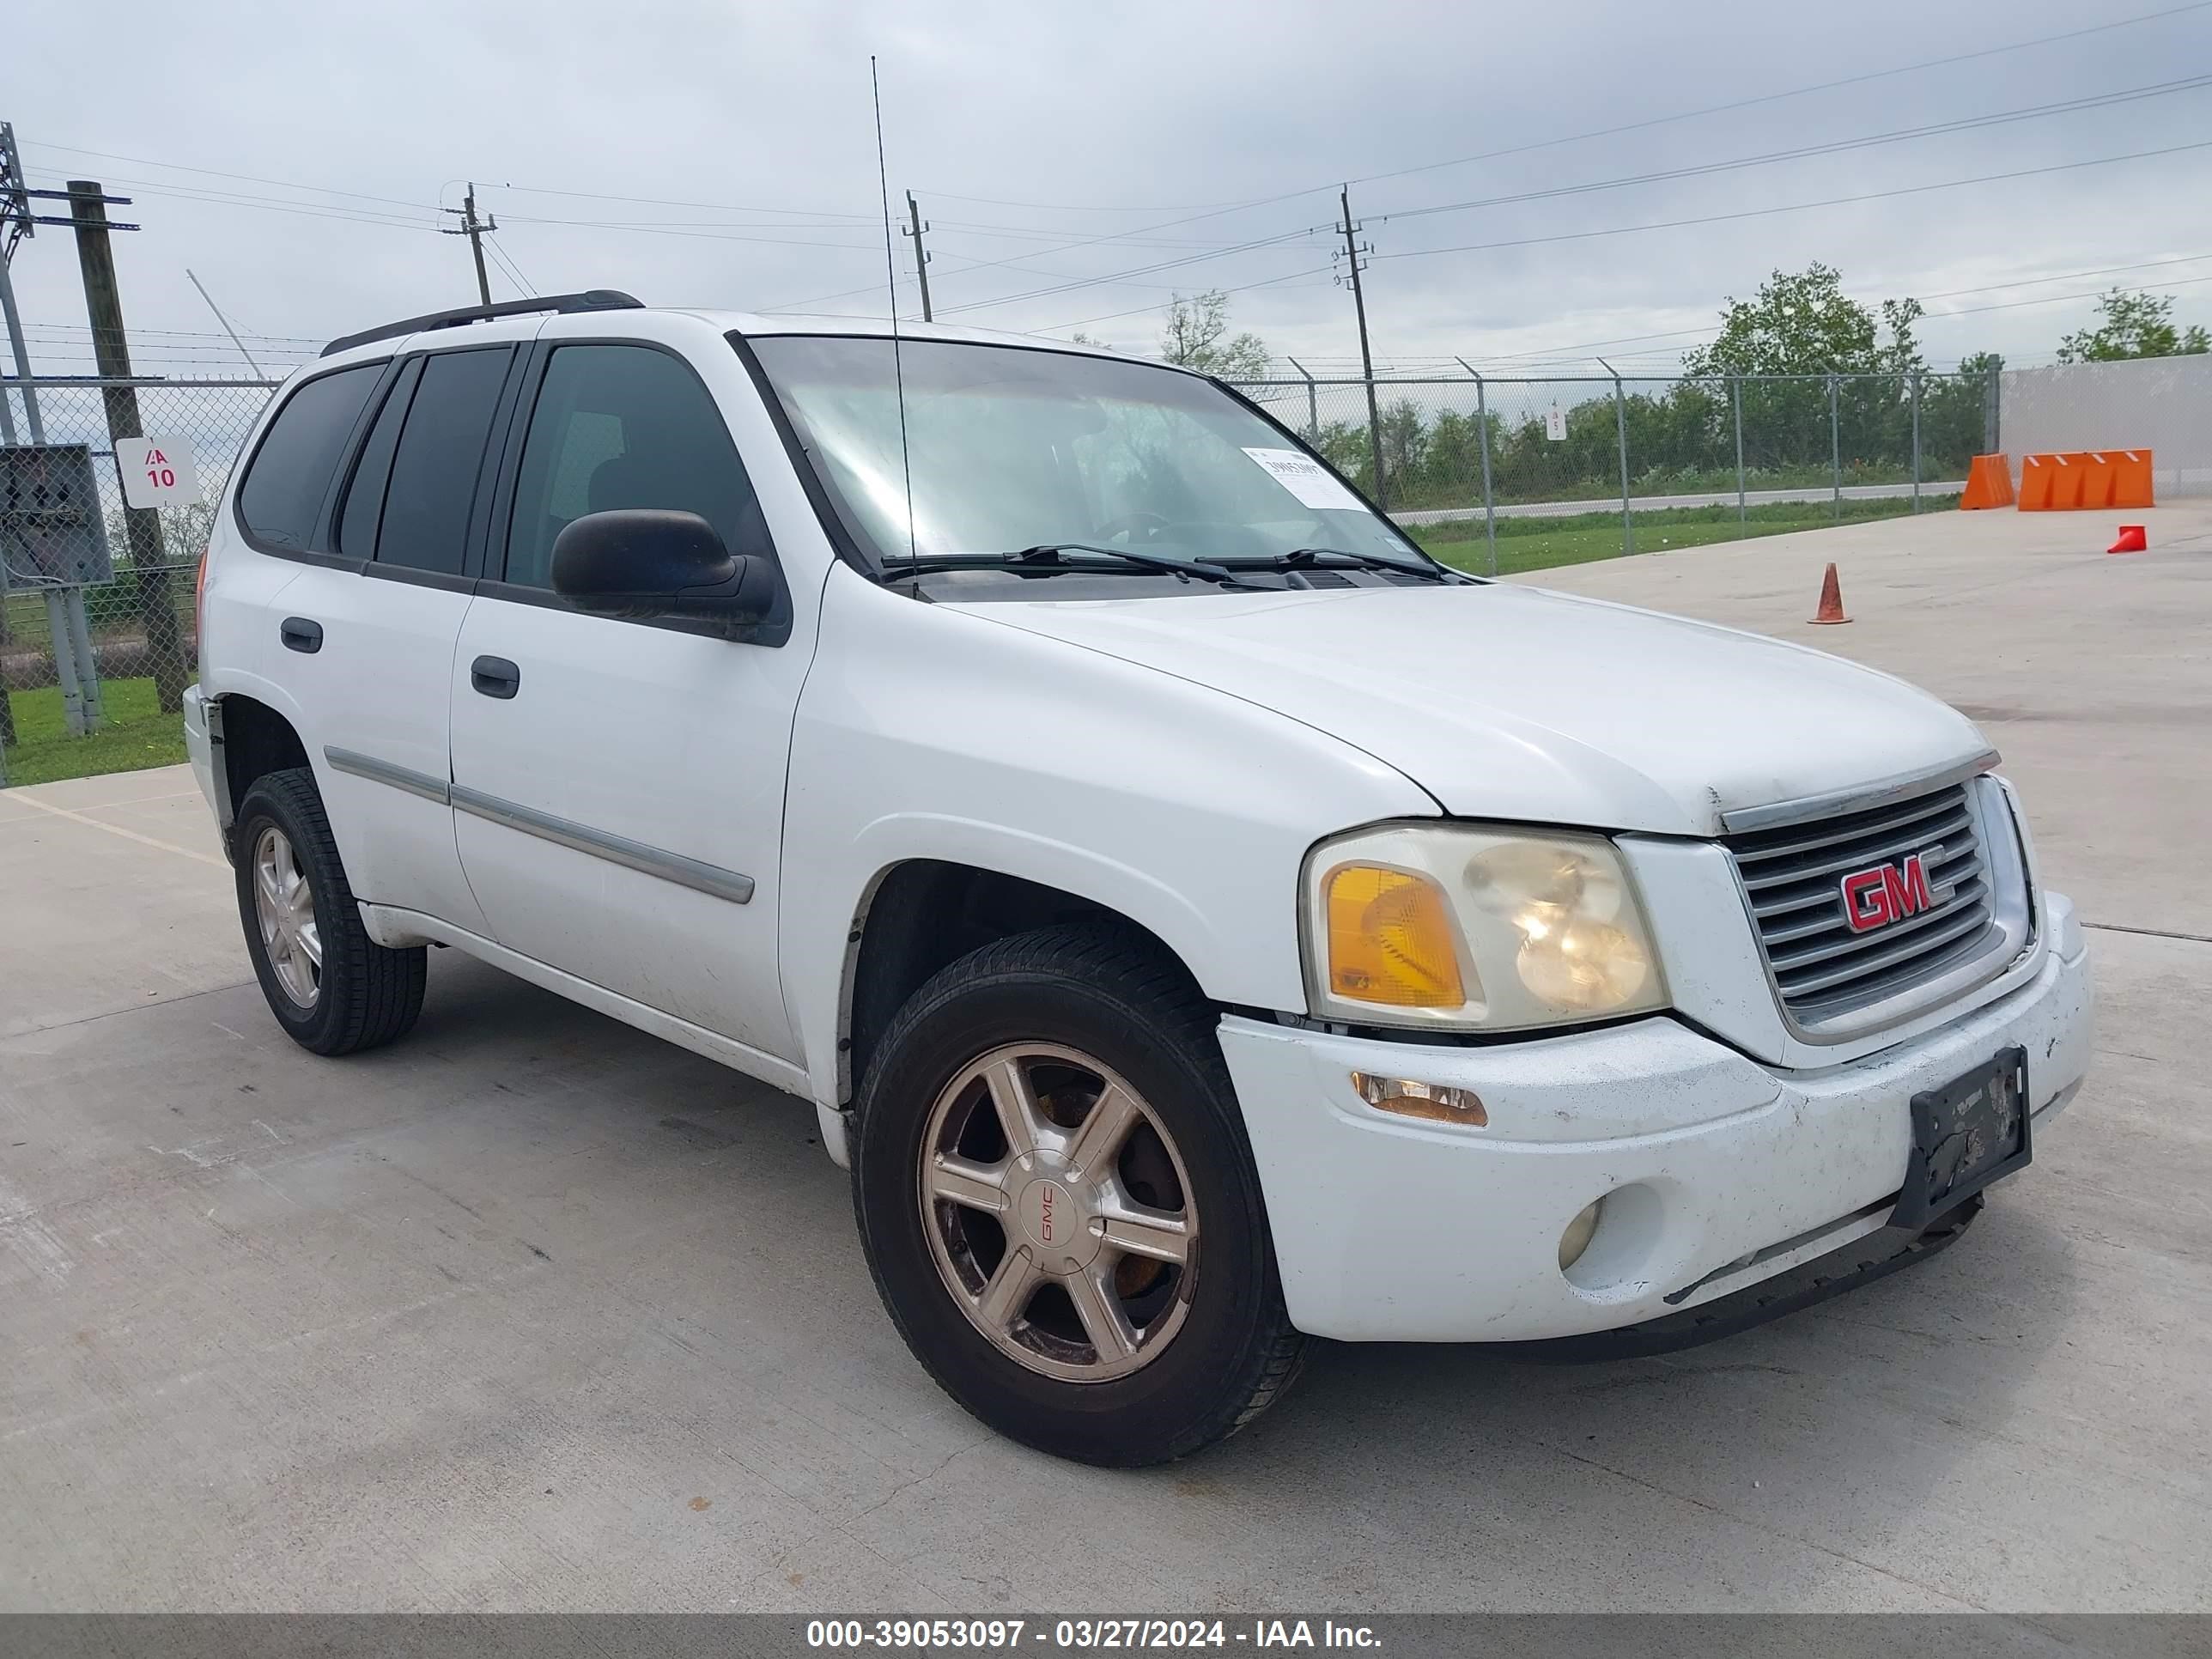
point(1438, 1103)
point(1390, 940)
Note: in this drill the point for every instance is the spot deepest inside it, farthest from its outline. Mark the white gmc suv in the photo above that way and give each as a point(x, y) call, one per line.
point(1200, 920)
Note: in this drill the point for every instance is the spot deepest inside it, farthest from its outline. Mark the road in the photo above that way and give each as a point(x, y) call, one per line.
point(1651, 503)
point(531, 1311)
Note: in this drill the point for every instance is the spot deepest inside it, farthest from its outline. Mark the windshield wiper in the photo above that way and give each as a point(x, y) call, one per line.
point(1310, 558)
point(1047, 556)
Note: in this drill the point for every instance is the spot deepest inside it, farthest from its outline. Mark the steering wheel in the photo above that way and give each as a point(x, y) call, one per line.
point(1149, 525)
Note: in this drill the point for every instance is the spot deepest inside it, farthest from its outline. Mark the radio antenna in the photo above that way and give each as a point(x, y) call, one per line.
point(890, 289)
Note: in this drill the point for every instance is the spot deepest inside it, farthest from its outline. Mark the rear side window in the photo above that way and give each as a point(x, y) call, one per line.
point(622, 426)
point(285, 489)
point(364, 501)
point(435, 467)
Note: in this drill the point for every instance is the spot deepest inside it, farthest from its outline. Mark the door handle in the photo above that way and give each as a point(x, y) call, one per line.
point(496, 677)
point(301, 634)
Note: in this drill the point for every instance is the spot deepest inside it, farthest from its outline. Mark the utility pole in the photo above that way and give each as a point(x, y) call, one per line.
point(920, 254)
point(111, 350)
point(1352, 252)
point(15, 223)
point(474, 229)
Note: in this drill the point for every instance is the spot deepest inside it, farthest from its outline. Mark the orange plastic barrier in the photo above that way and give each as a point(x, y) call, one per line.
point(2074, 479)
point(2130, 477)
point(1988, 483)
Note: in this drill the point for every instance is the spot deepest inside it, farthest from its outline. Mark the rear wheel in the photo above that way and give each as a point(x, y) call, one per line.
point(332, 988)
point(1059, 1207)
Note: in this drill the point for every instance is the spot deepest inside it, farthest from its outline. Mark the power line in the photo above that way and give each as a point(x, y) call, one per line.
point(179, 166)
point(1707, 333)
point(1963, 124)
point(732, 235)
point(313, 210)
point(1899, 136)
point(1138, 311)
point(513, 272)
point(861, 220)
point(1140, 270)
point(1797, 207)
point(1793, 92)
point(1663, 120)
point(1839, 146)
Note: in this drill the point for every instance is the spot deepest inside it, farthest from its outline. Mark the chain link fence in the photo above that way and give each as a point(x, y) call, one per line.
point(1485, 451)
point(2163, 404)
point(96, 611)
point(97, 594)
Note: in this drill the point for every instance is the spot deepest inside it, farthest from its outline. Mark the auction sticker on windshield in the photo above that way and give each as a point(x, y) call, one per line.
point(1314, 484)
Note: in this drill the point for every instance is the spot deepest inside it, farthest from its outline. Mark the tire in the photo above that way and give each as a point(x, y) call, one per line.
point(1076, 1011)
point(332, 988)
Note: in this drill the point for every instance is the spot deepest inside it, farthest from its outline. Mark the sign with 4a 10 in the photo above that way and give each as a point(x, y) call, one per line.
point(157, 471)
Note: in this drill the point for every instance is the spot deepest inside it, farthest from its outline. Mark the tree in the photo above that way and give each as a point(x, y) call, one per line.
point(1805, 324)
point(1197, 336)
point(2133, 326)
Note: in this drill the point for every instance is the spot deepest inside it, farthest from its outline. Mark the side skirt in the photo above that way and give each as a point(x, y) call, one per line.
point(395, 928)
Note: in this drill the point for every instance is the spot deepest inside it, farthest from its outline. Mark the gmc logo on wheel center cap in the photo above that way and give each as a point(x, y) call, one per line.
point(1886, 893)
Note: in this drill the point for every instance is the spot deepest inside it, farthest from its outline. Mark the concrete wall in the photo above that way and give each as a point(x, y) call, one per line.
point(2162, 404)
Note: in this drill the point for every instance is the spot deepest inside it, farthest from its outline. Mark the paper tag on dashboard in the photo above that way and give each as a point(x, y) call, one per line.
point(1314, 484)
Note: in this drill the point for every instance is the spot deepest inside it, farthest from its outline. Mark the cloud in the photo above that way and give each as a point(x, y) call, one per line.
point(725, 155)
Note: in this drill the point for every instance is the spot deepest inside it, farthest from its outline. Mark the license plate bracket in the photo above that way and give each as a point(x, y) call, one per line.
point(1965, 1134)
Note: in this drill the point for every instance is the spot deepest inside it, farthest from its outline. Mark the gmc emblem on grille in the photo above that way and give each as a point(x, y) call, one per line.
point(1888, 892)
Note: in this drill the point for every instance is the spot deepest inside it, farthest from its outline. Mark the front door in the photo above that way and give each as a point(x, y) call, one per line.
point(618, 785)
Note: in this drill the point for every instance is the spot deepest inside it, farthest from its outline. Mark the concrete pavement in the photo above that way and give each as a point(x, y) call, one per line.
point(531, 1311)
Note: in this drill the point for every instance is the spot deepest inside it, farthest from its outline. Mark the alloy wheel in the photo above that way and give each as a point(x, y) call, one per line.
point(284, 909)
point(1058, 1213)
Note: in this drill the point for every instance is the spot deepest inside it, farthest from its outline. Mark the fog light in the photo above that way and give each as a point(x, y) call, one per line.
point(1439, 1102)
point(1576, 1238)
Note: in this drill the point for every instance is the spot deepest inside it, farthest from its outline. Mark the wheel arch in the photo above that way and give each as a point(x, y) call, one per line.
point(257, 739)
point(919, 915)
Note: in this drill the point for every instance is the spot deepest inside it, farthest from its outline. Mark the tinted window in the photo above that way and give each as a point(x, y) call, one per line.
point(434, 470)
point(292, 471)
point(364, 499)
point(621, 426)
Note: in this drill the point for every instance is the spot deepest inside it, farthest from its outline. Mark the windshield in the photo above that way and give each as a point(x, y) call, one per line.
point(1010, 449)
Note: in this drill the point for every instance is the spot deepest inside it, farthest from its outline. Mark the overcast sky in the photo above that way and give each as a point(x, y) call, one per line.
point(1068, 148)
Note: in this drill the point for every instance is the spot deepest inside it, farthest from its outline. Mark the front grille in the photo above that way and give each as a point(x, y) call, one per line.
point(1793, 879)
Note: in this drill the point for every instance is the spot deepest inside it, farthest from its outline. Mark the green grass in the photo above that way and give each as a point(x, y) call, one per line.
point(136, 734)
point(1582, 538)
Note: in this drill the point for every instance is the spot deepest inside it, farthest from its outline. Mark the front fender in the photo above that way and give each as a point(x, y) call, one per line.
point(930, 733)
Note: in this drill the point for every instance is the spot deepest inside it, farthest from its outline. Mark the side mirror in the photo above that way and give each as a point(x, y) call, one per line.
point(652, 562)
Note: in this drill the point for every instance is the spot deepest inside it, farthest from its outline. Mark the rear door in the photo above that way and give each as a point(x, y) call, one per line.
point(376, 630)
point(618, 784)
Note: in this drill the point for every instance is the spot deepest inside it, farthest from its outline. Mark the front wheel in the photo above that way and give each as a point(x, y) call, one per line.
point(1059, 1207)
point(332, 988)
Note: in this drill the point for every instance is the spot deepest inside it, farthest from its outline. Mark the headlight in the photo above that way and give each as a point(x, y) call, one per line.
point(1466, 929)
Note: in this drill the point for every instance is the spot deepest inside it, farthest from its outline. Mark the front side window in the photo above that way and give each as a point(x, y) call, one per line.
point(624, 425)
point(1004, 448)
point(283, 494)
point(435, 468)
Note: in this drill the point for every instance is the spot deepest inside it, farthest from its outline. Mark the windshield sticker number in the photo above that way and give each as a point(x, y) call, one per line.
point(1314, 484)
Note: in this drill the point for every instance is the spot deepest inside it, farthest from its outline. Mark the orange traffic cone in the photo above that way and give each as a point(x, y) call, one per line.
point(1832, 600)
point(2132, 540)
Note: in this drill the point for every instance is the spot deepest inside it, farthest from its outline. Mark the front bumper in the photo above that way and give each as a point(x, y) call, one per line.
point(1719, 1172)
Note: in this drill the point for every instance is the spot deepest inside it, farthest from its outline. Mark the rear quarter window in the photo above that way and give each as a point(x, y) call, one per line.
point(290, 475)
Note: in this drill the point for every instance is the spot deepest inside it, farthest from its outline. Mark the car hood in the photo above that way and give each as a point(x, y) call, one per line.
point(1513, 702)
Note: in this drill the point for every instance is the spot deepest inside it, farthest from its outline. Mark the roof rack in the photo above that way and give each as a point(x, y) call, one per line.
point(591, 299)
